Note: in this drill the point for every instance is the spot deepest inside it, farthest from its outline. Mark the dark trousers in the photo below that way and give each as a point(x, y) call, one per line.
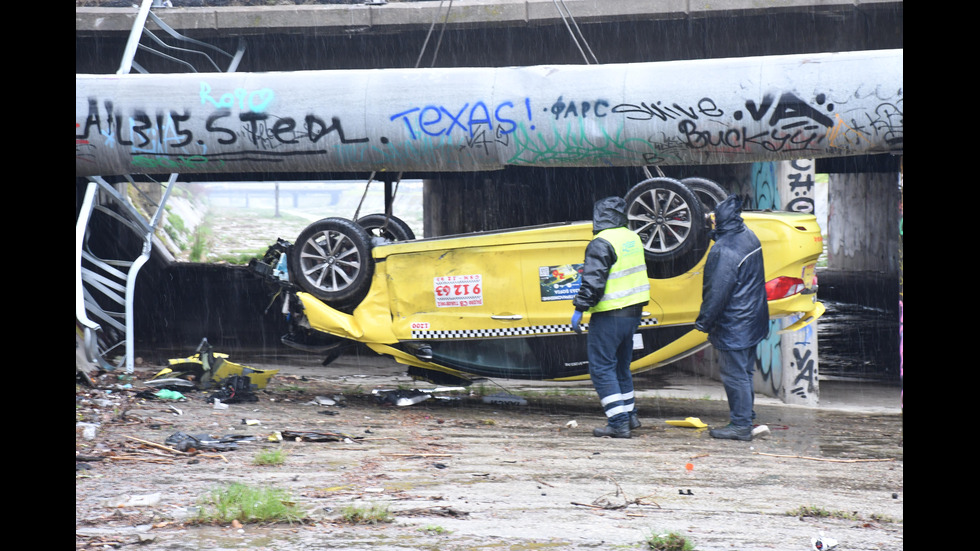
point(737, 367)
point(610, 348)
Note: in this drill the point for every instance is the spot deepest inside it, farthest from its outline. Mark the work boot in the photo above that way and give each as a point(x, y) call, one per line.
point(732, 432)
point(634, 421)
point(612, 432)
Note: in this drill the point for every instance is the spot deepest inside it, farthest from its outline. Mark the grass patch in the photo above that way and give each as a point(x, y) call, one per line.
point(248, 504)
point(270, 457)
point(669, 542)
point(435, 530)
point(820, 512)
point(372, 514)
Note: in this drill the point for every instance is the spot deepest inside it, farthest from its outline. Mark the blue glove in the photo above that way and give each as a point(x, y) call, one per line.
point(576, 319)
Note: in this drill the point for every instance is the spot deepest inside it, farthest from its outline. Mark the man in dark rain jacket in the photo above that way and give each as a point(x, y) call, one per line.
point(614, 290)
point(734, 312)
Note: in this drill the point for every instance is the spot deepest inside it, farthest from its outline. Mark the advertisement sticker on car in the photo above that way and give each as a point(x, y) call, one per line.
point(560, 282)
point(453, 291)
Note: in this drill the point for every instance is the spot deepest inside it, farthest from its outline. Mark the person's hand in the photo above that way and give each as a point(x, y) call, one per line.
point(576, 320)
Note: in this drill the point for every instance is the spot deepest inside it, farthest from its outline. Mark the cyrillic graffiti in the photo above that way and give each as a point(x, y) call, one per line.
point(596, 108)
point(530, 121)
point(801, 186)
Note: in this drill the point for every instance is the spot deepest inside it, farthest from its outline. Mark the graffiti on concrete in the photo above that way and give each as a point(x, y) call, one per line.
point(469, 120)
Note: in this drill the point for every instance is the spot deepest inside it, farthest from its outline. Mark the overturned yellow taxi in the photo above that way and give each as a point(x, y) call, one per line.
point(498, 304)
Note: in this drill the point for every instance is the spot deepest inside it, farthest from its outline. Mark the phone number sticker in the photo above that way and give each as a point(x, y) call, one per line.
point(453, 291)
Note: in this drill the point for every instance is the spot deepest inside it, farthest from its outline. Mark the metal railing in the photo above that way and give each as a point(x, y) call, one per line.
point(105, 280)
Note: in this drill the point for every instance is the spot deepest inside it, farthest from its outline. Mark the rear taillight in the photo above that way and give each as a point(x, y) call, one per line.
point(783, 287)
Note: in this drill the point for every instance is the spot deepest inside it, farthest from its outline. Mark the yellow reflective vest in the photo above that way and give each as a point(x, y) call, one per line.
point(627, 282)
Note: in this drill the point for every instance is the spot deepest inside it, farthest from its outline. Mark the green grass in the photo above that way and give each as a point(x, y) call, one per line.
point(434, 530)
point(270, 457)
point(820, 512)
point(372, 514)
point(248, 504)
point(669, 542)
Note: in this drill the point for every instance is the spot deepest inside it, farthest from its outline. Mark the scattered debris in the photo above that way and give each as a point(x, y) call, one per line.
point(316, 436)
point(207, 368)
point(237, 388)
point(201, 442)
point(504, 399)
point(617, 500)
point(823, 543)
point(414, 396)
point(690, 422)
point(760, 431)
point(828, 459)
point(443, 511)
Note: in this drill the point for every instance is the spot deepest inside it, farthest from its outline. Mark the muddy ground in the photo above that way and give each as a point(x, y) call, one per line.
point(466, 474)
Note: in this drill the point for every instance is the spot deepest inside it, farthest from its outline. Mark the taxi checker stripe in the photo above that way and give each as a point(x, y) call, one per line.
point(507, 331)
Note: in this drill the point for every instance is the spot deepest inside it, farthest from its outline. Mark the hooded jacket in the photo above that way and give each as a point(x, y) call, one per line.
point(734, 312)
point(600, 255)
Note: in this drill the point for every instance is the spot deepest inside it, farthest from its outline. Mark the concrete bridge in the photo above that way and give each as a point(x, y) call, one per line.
point(674, 75)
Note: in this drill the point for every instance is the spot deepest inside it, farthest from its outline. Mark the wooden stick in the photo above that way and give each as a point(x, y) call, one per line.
point(418, 454)
point(827, 459)
point(155, 445)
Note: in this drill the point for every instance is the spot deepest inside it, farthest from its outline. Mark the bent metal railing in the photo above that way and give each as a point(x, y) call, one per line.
point(105, 287)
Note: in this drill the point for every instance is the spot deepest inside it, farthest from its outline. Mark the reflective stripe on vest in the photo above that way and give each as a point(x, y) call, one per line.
point(627, 283)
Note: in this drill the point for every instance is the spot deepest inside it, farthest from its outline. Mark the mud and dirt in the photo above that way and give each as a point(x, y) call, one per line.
point(462, 473)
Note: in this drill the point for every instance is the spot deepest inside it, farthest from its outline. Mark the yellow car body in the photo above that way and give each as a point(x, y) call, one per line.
point(490, 304)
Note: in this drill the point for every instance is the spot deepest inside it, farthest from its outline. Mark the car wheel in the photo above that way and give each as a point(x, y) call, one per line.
point(331, 260)
point(707, 191)
point(668, 217)
point(386, 227)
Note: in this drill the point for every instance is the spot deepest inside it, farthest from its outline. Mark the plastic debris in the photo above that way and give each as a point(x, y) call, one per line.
point(207, 368)
point(571, 424)
point(691, 422)
point(823, 543)
point(414, 396)
point(324, 401)
point(315, 436)
point(237, 388)
point(760, 431)
point(88, 430)
point(167, 394)
point(147, 500)
point(200, 442)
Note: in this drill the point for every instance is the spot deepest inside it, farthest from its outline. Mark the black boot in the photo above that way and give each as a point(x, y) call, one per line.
point(732, 432)
point(612, 432)
point(634, 421)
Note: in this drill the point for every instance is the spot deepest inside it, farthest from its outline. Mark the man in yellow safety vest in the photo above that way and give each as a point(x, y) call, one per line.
point(614, 289)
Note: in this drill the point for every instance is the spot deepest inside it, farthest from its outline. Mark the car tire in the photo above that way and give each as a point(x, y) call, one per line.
point(707, 191)
point(668, 217)
point(388, 228)
point(331, 260)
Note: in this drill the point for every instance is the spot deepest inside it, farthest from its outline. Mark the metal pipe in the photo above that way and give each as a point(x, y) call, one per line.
point(714, 111)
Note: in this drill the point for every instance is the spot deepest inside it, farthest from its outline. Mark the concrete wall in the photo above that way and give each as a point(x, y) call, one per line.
point(864, 212)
